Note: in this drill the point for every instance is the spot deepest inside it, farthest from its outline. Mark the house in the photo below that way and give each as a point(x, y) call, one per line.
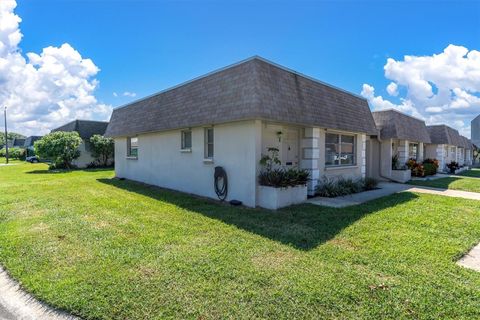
point(467, 153)
point(17, 142)
point(446, 145)
point(86, 129)
point(400, 136)
point(229, 118)
point(30, 143)
point(475, 129)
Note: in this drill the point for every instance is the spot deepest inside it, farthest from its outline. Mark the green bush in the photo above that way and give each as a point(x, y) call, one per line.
point(59, 146)
point(282, 178)
point(429, 168)
point(14, 153)
point(335, 187)
point(370, 183)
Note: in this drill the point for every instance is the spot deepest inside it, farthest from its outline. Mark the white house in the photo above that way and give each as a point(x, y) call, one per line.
point(400, 136)
point(446, 146)
point(86, 129)
point(229, 118)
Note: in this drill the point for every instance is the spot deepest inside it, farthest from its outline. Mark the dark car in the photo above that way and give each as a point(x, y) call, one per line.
point(32, 159)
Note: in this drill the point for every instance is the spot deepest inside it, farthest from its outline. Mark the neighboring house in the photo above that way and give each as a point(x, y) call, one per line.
point(399, 135)
point(86, 129)
point(229, 118)
point(475, 129)
point(467, 153)
point(17, 143)
point(446, 146)
point(30, 143)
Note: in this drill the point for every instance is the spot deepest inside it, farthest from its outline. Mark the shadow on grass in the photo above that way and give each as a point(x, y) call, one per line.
point(303, 226)
point(442, 183)
point(472, 173)
point(47, 171)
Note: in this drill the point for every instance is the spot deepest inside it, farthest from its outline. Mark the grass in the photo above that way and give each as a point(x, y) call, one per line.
point(109, 249)
point(466, 181)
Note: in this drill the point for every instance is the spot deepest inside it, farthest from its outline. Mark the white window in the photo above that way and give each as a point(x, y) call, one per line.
point(208, 143)
point(132, 147)
point(339, 150)
point(186, 139)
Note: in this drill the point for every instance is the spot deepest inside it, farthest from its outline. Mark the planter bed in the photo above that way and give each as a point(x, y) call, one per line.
point(276, 198)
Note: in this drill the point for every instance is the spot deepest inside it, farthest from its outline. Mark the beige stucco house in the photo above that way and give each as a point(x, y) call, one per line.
point(229, 118)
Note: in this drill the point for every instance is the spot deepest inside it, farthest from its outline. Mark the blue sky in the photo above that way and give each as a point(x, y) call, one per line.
point(146, 46)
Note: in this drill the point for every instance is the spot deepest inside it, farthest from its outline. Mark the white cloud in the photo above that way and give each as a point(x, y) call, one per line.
point(115, 94)
point(441, 88)
point(45, 90)
point(129, 94)
point(392, 89)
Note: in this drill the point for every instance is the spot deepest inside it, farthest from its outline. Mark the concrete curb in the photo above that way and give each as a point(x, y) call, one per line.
point(15, 303)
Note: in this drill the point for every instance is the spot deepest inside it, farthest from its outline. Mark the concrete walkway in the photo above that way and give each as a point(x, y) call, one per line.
point(386, 189)
point(472, 259)
point(17, 304)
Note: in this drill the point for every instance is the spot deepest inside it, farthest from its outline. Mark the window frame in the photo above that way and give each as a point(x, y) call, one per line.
point(130, 155)
point(183, 146)
point(413, 146)
point(206, 143)
point(339, 153)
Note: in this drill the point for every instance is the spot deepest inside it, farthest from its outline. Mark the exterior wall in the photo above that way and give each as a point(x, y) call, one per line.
point(386, 154)
point(475, 130)
point(85, 156)
point(443, 153)
point(160, 161)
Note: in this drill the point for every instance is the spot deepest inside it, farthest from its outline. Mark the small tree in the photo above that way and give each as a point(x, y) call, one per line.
point(61, 147)
point(102, 149)
point(476, 153)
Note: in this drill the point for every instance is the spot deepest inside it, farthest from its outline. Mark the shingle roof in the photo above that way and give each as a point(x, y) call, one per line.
point(85, 128)
point(29, 141)
point(252, 89)
point(466, 143)
point(396, 125)
point(442, 134)
point(18, 142)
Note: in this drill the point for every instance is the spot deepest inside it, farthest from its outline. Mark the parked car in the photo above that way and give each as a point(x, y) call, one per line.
point(32, 159)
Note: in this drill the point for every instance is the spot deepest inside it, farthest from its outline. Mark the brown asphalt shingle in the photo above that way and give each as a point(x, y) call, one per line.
point(396, 125)
point(253, 89)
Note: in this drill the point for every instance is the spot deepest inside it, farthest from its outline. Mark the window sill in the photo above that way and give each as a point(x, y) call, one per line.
point(188, 150)
point(132, 158)
point(208, 161)
point(340, 167)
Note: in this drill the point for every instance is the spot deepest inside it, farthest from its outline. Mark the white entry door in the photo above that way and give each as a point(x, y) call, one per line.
point(290, 148)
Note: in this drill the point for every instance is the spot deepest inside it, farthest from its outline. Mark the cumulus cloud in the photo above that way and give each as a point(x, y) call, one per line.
point(441, 88)
point(44, 90)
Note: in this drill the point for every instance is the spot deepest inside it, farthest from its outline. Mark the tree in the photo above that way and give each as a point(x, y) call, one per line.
point(102, 149)
point(476, 153)
point(11, 137)
point(61, 147)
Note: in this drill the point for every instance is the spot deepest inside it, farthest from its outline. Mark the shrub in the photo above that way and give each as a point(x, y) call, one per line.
point(435, 162)
point(102, 149)
point(416, 168)
point(395, 162)
point(369, 183)
point(14, 153)
point(453, 166)
point(61, 147)
point(429, 169)
point(282, 178)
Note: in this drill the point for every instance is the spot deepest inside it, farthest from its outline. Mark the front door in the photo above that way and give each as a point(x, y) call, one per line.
point(290, 148)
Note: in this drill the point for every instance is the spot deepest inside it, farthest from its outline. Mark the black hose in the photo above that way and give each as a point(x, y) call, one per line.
point(220, 175)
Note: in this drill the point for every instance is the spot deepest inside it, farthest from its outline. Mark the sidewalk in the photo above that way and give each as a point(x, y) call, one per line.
point(386, 189)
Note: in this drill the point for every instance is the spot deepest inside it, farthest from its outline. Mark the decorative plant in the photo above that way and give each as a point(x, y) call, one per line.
point(335, 187)
point(273, 176)
point(435, 162)
point(271, 159)
point(453, 166)
point(395, 162)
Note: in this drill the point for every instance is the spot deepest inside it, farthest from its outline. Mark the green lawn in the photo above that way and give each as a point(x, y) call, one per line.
point(467, 181)
point(109, 249)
